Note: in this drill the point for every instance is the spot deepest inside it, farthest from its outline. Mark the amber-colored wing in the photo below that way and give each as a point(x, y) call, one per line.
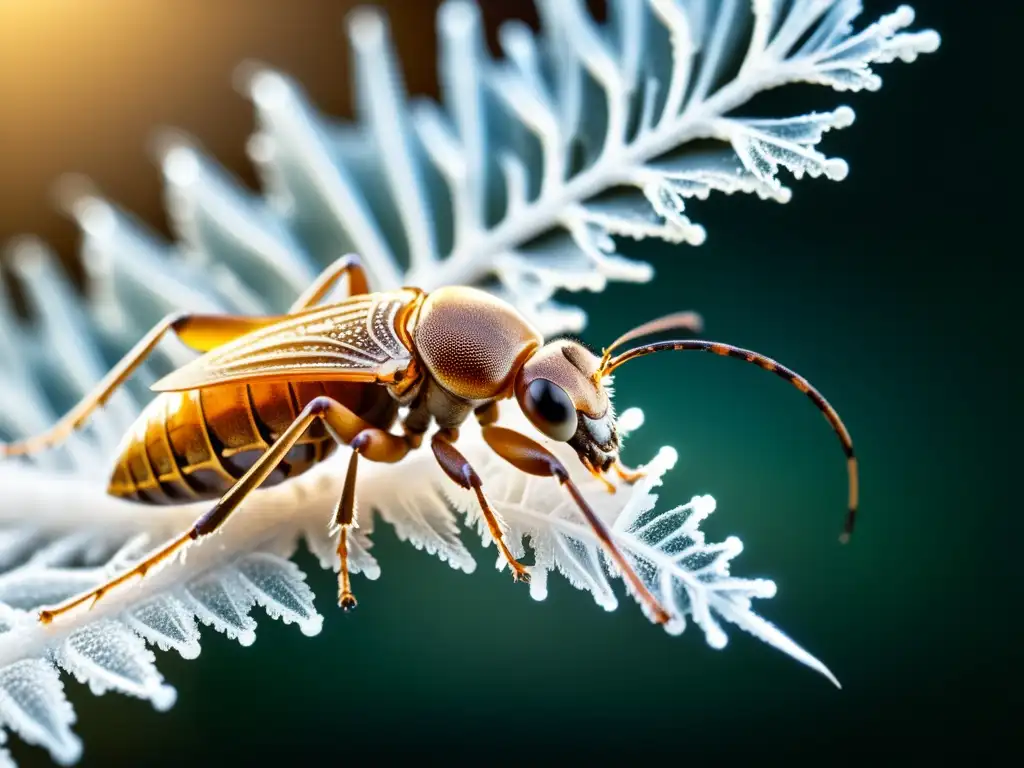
point(354, 340)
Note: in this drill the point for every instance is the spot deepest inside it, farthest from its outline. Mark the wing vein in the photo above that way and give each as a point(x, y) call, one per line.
point(353, 340)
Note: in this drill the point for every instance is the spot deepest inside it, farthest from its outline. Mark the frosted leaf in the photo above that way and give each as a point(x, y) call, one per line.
point(538, 269)
point(844, 62)
point(107, 655)
point(220, 601)
point(764, 145)
point(696, 175)
point(223, 225)
point(666, 198)
point(651, 214)
point(689, 576)
point(16, 544)
point(134, 278)
point(522, 146)
point(280, 587)
point(426, 523)
point(381, 102)
point(18, 384)
point(62, 328)
point(325, 207)
point(167, 623)
point(33, 705)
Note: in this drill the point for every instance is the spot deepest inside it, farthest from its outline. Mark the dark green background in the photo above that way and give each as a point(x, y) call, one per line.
point(888, 292)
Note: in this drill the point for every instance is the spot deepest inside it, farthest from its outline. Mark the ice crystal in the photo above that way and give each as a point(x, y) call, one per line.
point(519, 182)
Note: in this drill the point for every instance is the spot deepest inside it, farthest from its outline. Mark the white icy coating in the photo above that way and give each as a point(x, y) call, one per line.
point(519, 182)
point(522, 177)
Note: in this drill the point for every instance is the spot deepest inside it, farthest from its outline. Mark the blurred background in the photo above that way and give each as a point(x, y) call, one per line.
point(886, 291)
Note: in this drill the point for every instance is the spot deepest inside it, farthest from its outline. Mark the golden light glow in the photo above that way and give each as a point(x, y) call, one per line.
point(86, 84)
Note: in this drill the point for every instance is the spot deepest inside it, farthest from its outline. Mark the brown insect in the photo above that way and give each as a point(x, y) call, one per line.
point(272, 396)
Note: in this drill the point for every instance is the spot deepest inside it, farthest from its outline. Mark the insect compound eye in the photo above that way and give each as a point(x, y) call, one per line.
point(549, 408)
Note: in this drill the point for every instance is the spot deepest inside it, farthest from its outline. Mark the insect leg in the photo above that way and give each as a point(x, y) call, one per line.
point(599, 476)
point(347, 265)
point(530, 456)
point(345, 519)
point(375, 444)
point(201, 332)
point(487, 414)
point(459, 470)
point(627, 475)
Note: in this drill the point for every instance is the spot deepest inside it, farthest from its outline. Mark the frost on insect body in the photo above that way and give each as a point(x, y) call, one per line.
point(517, 184)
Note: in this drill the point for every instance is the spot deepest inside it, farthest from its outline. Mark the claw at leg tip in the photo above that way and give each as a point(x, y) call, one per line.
point(347, 601)
point(608, 484)
point(519, 572)
point(627, 475)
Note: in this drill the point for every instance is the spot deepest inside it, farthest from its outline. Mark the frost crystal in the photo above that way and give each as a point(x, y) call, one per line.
point(520, 182)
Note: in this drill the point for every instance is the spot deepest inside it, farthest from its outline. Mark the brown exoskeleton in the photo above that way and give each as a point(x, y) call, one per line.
point(272, 396)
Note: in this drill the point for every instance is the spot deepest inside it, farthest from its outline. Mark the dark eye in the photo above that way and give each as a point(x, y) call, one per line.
point(550, 409)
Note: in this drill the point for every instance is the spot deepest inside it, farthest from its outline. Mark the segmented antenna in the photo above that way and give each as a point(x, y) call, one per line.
point(727, 350)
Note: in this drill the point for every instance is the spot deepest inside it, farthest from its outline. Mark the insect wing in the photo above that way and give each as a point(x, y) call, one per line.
point(354, 340)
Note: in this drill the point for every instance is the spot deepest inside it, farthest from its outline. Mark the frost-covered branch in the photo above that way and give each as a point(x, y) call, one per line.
point(702, 38)
point(507, 182)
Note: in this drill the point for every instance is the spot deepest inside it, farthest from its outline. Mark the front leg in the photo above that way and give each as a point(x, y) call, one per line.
point(531, 457)
point(347, 265)
point(627, 475)
point(458, 468)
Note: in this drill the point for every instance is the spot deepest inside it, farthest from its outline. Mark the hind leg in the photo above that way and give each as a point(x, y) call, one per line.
point(201, 332)
point(347, 265)
point(373, 443)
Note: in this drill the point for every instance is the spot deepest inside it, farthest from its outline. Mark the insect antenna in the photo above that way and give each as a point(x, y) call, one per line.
point(727, 350)
point(677, 321)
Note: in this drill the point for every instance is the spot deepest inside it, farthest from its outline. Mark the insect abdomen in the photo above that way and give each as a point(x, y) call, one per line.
point(196, 444)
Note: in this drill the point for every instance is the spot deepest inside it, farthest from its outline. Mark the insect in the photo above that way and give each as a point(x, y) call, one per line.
point(272, 396)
